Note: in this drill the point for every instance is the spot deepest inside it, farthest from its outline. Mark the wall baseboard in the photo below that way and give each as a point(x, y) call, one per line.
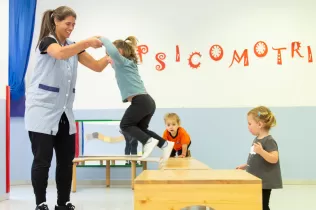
point(4, 197)
point(299, 182)
point(128, 182)
point(79, 182)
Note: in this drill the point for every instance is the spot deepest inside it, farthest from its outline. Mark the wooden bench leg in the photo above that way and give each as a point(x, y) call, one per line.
point(74, 177)
point(108, 173)
point(144, 163)
point(133, 172)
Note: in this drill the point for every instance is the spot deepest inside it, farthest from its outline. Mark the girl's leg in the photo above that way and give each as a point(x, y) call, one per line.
point(134, 145)
point(266, 199)
point(133, 120)
point(173, 153)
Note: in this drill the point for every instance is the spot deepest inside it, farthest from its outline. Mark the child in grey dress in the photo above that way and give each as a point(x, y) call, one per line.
point(263, 160)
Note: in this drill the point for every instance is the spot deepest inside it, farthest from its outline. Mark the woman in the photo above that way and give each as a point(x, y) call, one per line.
point(49, 117)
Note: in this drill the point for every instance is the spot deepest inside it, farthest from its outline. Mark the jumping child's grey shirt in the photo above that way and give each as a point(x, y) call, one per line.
point(126, 72)
point(269, 173)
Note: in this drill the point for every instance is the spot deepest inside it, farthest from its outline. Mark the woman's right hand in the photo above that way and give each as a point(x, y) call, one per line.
point(242, 167)
point(95, 42)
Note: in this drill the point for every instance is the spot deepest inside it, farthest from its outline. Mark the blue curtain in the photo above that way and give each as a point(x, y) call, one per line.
point(21, 27)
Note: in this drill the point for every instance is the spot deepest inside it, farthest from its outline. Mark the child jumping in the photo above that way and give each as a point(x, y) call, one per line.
point(137, 116)
point(177, 134)
point(263, 160)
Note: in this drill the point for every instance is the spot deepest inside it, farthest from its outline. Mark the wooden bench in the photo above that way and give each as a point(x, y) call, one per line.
point(109, 160)
point(184, 164)
point(177, 189)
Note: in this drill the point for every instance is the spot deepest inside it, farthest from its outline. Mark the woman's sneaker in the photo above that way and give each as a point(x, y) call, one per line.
point(42, 206)
point(68, 206)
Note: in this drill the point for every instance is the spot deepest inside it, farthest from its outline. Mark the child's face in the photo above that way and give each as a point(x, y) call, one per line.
point(253, 126)
point(172, 125)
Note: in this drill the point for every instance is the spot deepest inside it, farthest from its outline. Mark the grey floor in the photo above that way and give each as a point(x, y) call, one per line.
point(292, 197)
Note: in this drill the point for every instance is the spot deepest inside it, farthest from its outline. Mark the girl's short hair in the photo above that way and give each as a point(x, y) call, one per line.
point(264, 115)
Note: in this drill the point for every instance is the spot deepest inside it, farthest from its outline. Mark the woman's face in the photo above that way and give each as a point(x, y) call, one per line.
point(65, 27)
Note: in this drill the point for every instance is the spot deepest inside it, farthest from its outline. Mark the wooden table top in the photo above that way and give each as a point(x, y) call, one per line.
point(114, 157)
point(196, 177)
point(183, 164)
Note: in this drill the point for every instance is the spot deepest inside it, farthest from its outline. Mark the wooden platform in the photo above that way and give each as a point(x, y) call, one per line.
point(108, 160)
point(184, 164)
point(177, 189)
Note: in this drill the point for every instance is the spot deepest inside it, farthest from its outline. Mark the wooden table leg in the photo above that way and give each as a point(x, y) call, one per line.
point(133, 172)
point(108, 173)
point(144, 163)
point(74, 177)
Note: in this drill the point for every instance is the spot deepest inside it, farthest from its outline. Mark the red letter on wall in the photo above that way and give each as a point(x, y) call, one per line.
point(310, 55)
point(142, 50)
point(237, 58)
point(216, 52)
point(296, 46)
point(191, 64)
point(260, 49)
point(279, 62)
point(177, 54)
point(159, 58)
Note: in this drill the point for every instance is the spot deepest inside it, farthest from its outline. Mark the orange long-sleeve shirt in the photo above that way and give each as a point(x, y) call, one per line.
point(182, 137)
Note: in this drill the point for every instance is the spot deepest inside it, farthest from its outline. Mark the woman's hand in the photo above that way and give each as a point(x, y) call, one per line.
point(95, 42)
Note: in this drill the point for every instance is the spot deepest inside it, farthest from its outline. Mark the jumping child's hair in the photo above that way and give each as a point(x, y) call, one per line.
point(48, 24)
point(172, 116)
point(264, 115)
point(129, 47)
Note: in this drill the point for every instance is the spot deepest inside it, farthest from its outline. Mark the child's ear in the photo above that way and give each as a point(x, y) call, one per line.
point(260, 124)
point(121, 51)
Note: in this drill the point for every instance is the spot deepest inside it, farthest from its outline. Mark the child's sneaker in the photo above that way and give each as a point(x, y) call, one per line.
point(68, 206)
point(42, 206)
point(149, 147)
point(167, 151)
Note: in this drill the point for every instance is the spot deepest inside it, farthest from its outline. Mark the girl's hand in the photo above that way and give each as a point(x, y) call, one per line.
point(242, 167)
point(95, 42)
point(109, 60)
point(257, 147)
point(182, 156)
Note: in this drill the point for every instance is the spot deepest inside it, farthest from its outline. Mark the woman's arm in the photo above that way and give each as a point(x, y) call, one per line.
point(65, 52)
point(96, 65)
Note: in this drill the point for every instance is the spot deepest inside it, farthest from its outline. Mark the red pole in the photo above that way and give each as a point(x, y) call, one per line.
point(8, 139)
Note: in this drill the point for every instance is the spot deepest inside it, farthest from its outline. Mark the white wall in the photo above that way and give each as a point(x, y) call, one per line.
point(4, 15)
point(196, 27)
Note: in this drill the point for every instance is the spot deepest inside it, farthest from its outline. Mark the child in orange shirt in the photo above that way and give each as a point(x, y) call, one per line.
point(175, 133)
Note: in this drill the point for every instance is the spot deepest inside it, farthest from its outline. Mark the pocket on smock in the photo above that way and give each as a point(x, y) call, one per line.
point(47, 95)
